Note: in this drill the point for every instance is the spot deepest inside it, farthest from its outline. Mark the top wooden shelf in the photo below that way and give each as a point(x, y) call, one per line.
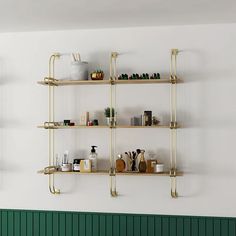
point(102, 82)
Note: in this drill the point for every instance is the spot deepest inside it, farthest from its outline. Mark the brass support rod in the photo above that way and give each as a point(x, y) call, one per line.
point(113, 77)
point(173, 123)
point(51, 113)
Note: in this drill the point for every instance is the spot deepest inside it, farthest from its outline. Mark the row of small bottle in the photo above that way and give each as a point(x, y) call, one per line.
point(135, 162)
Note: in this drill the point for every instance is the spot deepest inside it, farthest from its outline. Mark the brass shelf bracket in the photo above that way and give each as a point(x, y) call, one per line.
point(50, 81)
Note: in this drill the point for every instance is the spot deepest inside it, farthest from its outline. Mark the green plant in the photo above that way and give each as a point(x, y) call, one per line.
point(108, 110)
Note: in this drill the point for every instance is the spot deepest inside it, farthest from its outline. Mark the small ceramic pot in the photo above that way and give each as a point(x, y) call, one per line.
point(111, 121)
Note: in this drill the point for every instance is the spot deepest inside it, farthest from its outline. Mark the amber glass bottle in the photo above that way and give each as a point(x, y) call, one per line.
point(142, 164)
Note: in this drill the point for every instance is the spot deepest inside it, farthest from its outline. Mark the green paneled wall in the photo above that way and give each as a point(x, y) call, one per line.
point(52, 223)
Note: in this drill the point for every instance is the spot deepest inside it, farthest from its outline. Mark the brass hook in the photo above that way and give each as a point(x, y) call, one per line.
point(112, 174)
point(173, 174)
point(52, 188)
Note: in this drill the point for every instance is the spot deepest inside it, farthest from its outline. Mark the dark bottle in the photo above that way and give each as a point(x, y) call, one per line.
point(142, 163)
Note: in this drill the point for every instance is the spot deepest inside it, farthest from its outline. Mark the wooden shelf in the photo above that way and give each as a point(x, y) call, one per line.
point(103, 82)
point(106, 172)
point(75, 127)
point(104, 127)
point(76, 82)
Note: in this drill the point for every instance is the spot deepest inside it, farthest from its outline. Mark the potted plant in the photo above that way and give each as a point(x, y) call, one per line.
point(110, 115)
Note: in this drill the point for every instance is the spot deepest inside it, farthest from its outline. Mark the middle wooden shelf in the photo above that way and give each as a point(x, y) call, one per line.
point(102, 127)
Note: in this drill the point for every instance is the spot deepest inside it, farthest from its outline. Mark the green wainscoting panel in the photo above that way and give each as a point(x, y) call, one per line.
point(53, 223)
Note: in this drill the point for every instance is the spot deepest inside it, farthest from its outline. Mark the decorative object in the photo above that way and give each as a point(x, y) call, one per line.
point(123, 77)
point(155, 76)
point(155, 120)
point(95, 122)
point(85, 166)
point(93, 157)
point(110, 115)
point(150, 165)
point(136, 121)
point(84, 118)
point(65, 167)
point(144, 76)
point(120, 164)
point(76, 165)
point(134, 77)
point(90, 123)
point(97, 75)
point(142, 164)
point(159, 168)
point(66, 122)
point(79, 69)
point(148, 118)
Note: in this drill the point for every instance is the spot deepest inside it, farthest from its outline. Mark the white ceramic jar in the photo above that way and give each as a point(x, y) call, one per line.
point(79, 70)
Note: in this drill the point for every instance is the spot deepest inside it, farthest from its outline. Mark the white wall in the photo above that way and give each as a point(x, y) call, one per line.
point(206, 144)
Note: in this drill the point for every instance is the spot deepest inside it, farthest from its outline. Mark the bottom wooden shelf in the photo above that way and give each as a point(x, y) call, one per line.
point(106, 172)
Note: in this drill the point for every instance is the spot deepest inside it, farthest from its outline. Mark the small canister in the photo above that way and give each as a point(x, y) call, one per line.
point(76, 165)
point(66, 167)
point(159, 168)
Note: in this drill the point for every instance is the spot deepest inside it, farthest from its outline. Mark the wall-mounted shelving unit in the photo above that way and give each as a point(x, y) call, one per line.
point(51, 125)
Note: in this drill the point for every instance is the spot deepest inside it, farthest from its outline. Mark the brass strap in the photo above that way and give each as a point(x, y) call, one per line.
point(49, 170)
point(51, 125)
